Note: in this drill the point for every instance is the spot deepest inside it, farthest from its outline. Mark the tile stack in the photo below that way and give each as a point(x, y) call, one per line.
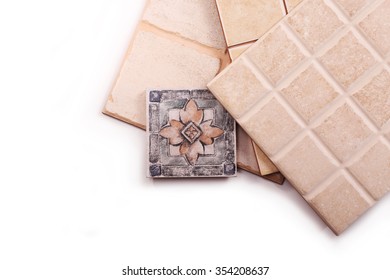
point(313, 94)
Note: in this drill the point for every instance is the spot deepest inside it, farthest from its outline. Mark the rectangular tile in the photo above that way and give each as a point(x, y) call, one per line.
point(321, 102)
point(190, 135)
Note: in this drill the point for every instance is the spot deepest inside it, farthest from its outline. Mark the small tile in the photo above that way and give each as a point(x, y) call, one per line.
point(291, 4)
point(340, 204)
point(315, 23)
point(309, 93)
point(275, 55)
point(236, 51)
point(372, 170)
point(247, 20)
point(374, 98)
point(310, 162)
point(271, 122)
point(343, 132)
point(348, 60)
point(266, 166)
point(188, 144)
point(351, 7)
point(194, 20)
point(244, 83)
point(377, 29)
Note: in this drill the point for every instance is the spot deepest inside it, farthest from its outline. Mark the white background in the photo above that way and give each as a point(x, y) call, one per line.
point(74, 200)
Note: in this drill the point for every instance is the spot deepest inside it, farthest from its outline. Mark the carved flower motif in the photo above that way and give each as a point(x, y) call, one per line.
point(191, 133)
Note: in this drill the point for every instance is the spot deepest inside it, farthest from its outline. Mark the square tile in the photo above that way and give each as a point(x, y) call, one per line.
point(271, 122)
point(310, 162)
point(340, 204)
point(343, 132)
point(246, 87)
point(351, 7)
point(275, 54)
point(190, 135)
point(291, 4)
point(314, 23)
point(372, 170)
point(247, 20)
point(374, 98)
point(348, 60)
point(309, 93)
point(377, 29)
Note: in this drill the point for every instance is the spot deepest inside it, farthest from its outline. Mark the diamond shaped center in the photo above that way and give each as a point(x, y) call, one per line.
point(191, 132)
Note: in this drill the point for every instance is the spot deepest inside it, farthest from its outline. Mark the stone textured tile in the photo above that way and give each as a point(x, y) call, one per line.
point(351, 7)
point(343, 132)
point(339, 204)
point(373, 165)
point(190, 135)
point(376, 28)
point(324, 143)
point(291, 4)
point(309, 93)
point(309, 161)
point(247, 20)
point(156, 62)
point(266, 166)
point(195, 20)
point(315, 23)
point(275, 54)
point(271, 122)
point(356, 60)
point(236, 51)
point(375, 98)
point(241, 89)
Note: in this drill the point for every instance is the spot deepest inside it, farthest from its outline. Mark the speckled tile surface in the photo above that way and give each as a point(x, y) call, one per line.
point(190, 134)
point(320, 109)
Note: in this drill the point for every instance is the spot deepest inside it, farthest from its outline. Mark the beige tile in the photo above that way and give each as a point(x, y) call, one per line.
point(375, 98)
point(266, 166)
point(343, 132)
point(195, 20)
point(275, 54)
point(340, 136)
point(271, 122)
point(240, 89)
point(310, 162)
point(291, 4)
point(376, 29)
point(373, 165)
point(356, 60)
point(236, 51)
point(247, 20)
point(309, 93)
point(156, 62)
point(340, 204)
point(315, 22)
point(351, 7)
point(245, 154)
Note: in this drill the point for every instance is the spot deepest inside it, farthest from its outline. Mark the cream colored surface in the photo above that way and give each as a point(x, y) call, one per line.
point(196, 20)
point(351, 7)
point(236, 51)
point(291, 4)
point(156, 62)
point(320, 144)
point(265, 164)
point(247, 20)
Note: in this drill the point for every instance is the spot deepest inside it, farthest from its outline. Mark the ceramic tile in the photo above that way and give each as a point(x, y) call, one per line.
point(265, 164)
point(374, 164)
point(291, 4)
point(247, 20)
point(351, 7)
point(334, 150)
point(190, 135)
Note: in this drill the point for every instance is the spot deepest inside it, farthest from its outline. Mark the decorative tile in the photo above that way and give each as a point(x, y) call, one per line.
point(325, 147)
point(377, 29)
point(373, 165)
point(375, 98)
point(344, 132)
point(275, 54)
point(309, 97)
point(190, 135)
point(315, 23)
point(356, 60)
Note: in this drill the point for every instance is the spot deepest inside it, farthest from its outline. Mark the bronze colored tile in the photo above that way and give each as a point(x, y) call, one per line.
point(323, 120)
